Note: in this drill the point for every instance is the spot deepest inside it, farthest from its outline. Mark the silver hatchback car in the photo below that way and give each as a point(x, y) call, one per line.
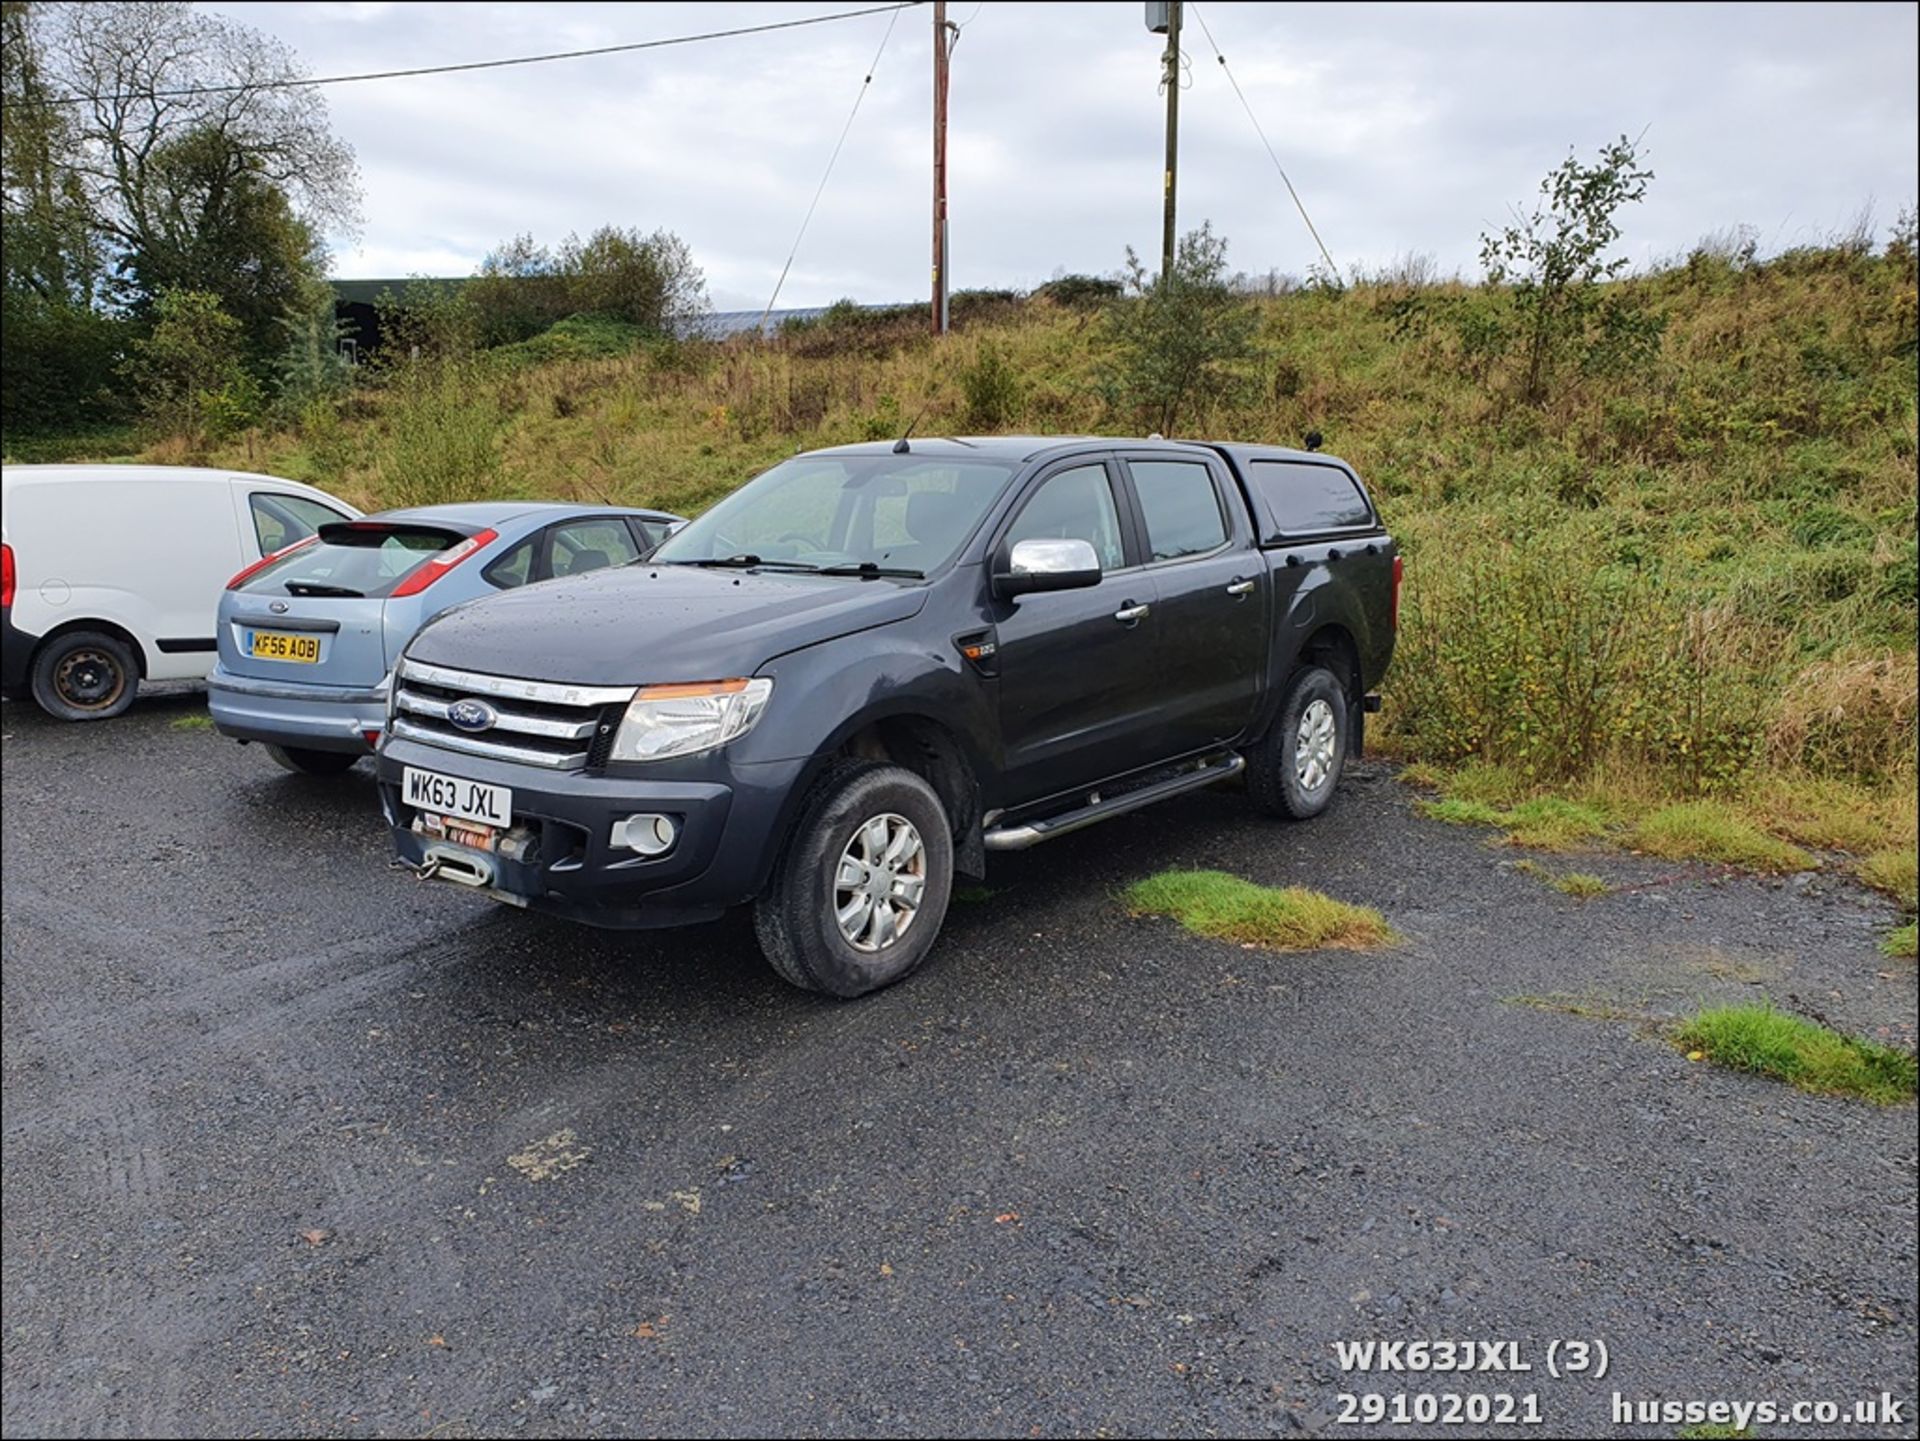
point(308, 636)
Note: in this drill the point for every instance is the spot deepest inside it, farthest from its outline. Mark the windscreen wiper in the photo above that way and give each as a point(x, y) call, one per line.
point(317, 587)
point(745, 562)
point(867, 568)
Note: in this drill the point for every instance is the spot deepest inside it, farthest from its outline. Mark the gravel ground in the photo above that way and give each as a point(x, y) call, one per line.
point(296, 1144)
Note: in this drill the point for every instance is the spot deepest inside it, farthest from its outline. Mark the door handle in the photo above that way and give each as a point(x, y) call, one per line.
point(1240, 587)
point(1128, 614)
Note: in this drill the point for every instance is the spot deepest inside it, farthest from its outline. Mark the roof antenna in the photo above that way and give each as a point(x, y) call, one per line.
point(900, 446)
point(1314, 440)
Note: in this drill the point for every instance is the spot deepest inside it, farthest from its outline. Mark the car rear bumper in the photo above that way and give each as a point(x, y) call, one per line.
point(317, 717)
point(558, 855)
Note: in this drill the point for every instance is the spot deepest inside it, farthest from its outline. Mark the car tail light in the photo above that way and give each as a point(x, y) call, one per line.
point(267, 560)
point(425, 575)
point(6, 575)
point(1399, 569)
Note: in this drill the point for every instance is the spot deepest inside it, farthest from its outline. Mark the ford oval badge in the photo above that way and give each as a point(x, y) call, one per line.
point(471, 715)
point(278, 607)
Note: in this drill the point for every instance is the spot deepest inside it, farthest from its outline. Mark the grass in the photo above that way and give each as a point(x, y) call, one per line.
point(1715, 831)
point(1591, 1008)
point(1545, 823)
point(1893, 871)
point(1903, 943)
point(1225, 907)
point(195, 721)
point(1803, 1053)
point(974, 895)
point(1714, 1431)
point(1577, 884)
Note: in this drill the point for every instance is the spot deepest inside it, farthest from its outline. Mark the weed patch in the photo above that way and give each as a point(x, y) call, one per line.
point(1767, 1042)
point(1713, 831)
point(1290, 918)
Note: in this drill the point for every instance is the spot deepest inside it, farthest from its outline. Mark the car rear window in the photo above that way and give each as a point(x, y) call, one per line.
point(359, 558)
point(1305, 499)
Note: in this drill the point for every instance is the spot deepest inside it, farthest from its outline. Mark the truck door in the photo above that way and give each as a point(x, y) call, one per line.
point(1209, 641)
point(1079, 699)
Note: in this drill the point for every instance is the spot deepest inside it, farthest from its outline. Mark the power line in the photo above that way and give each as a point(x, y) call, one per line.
point(1220, 55)
point(865, 85)
point(189, 91)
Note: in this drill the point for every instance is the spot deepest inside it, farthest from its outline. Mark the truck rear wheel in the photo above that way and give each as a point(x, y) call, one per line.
point(1294, 771)
point(857, 898)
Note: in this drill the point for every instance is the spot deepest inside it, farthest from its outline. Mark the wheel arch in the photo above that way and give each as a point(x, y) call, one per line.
point(105, 627)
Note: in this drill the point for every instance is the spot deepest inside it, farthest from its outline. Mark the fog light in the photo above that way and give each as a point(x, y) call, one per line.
point(650, 835)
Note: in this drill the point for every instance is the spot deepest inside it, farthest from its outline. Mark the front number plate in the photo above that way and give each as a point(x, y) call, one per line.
point(450, 796)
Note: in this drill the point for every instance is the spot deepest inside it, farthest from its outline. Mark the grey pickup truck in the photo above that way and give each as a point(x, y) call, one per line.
point(872, 666)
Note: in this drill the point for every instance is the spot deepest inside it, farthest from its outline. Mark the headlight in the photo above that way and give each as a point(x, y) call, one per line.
point(683, 720)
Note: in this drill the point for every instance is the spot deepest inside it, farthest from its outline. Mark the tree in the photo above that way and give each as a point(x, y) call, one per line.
point(222, 191)
point(187, 368)
point(646, 280)
point(57, 353)
point(518, 293)
point(1175, 335)
point(1555, 257)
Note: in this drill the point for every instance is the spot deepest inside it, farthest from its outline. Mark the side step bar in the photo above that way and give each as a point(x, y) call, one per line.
point(1031, 833)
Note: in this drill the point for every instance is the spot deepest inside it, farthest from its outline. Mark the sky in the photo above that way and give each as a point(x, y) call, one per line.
point(1408, 130)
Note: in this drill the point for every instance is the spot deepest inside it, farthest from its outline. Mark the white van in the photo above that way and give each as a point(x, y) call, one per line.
point(113, 573)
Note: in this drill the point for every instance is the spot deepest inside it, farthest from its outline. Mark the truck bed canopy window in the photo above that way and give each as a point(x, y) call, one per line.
point(1305, 499)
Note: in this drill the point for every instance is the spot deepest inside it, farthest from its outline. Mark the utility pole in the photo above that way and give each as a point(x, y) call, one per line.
point(940, 55)
point(1168, 238)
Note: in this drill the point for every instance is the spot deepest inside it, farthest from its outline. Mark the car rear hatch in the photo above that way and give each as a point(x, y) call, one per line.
point(317, 612)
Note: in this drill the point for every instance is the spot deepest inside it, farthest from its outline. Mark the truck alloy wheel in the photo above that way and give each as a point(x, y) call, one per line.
point(879, 882)
point(1295, 769)
point(859, 893)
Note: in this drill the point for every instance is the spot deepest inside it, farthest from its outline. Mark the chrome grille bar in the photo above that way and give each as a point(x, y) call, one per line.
point(505, 720)
point(472, 745)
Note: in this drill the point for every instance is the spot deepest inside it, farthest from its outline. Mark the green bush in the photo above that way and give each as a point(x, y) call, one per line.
point(992, 389)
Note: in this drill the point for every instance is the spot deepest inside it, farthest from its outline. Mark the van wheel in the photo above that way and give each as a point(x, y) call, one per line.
point(1294, 771)
point(85, 675)
point(304, 762)
point(858, 896)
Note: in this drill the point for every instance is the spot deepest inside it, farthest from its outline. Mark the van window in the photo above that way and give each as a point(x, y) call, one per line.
point(1305, 498)
point(280, 520)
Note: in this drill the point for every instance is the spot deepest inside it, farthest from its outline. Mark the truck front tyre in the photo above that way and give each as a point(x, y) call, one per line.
point(1295, 769)
point(85, 675)
point(857, 898)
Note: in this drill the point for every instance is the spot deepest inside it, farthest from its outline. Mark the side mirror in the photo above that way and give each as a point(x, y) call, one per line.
point(1036, 565)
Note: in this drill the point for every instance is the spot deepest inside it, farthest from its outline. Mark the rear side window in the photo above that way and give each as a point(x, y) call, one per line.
point(357, 559)
point(280, 520)
point(585, 545)
point(513, 568)
point(1181, 507)
point(1305, 498)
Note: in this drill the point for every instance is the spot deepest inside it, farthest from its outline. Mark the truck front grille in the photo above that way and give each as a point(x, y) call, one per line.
point(542, 723)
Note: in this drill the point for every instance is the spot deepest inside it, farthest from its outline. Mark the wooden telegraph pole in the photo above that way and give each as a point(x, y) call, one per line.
point(940, 55)
point(1168, 236)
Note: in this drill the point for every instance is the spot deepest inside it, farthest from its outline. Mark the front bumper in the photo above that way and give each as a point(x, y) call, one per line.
point(316, 717)
point(558, 856)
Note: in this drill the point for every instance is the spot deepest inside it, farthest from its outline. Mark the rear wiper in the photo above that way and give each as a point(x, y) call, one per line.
point(317, 587)
point(868, 568)
point(745, 562)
